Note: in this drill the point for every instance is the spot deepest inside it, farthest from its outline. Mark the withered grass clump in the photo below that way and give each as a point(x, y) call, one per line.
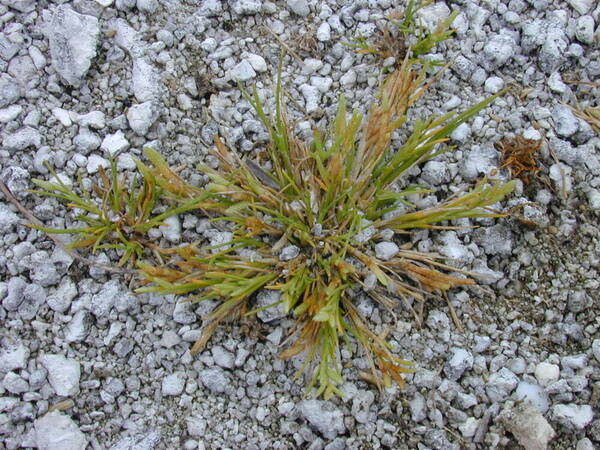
point(332, 198)
point(519, 155)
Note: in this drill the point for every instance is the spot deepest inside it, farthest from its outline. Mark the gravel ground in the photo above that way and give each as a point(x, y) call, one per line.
point(86, 364)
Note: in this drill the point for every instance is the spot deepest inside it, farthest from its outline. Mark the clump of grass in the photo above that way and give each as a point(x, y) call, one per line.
point(121, 212)
point(394, 40)
point(519, 155)
point(331, 199)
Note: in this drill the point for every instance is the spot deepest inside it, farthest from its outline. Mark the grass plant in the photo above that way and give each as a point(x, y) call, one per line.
point(396, 39)
point(331, 198)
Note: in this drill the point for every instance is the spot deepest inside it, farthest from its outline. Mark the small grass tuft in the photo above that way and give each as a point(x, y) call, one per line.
point(308, 226)
point(404, 33)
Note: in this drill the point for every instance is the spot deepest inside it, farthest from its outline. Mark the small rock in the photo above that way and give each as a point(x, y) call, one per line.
point(22, 138)
point(8, 219)
point(323, 416)
point(10, 91)
point(147, 6)
point(141, 117)
point(418, 408)
point(565, 122)
point(431, 15)
point(584, 444)
point(73, 38)
point(79, 326)
point(267, 297)
point(171, 230)
point(596, 349)
point(501, 384)
point(257, 62)
point(214, 379)
point(288, 253)
point(63, 374)
point(581, 6)
point(145, 81)
point(497, 51)
point(571, 415)
point(386, 250)
point(546, 373)
point(312, 96)
point(14, 384)
point(86, 141)
point(13, 355)
point(534, 394)
point(95, 162)
point(493, 85)
point(584, 31)
point(56, 431)
point(460, 361)
point(93, 119)
point(115, 143)
point(299, 7)
point(324, 32)
point(242, 72)
point(173, 384)
point(528, 426)
point(222, 357)
point(247, 7)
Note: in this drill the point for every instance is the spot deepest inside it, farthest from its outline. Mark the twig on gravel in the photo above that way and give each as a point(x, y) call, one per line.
point(35, 221)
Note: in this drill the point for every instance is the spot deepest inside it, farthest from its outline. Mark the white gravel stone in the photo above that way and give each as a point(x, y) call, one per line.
point(469, 427)
point(171, 230)
point(10, 113)
point(223, 358)
point(534, 394)
point(584, 31)
point(432, 14)
point(493, 85)
point(571, 415)
point(546, 373)
point(324, 32)
point(585, 444)
point(348, 79)
point(22, 138)
point(566, 123)
point(8, 219)
point(147, 6)
point(93, 119)
point(498, 51)
point(94, 162)
point(288, 253)
point(501, 384)
point(596, 349)
point(461, 133)
point(323, 84)
point(460, 361)
point(63, 116)
point(63, 374)
point(14, 384)
point(268, 297)
point(14, 355)
point(73, 38)
point(141, 117)
point(299, 7)
point(115, 143)
point(86, 141)
point(214, 379)
point(145, 80)
point(10, 91)
point(57, 431)
point(173, 384)
point(386, 250)
point(528, 426)
point(257, 62)
point(581, 6)
point(243, 71)
point(323, 416)
point(312, 96)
